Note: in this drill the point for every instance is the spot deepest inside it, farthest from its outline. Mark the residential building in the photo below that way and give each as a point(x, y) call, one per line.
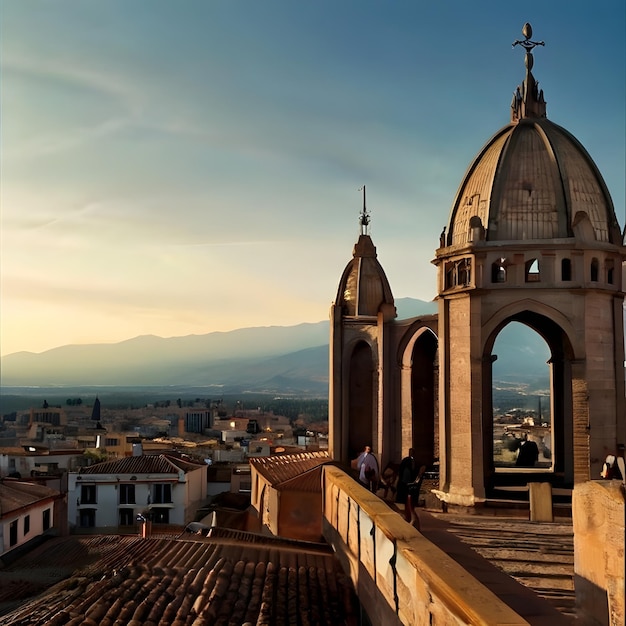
point(163, 488)
point(26, 512)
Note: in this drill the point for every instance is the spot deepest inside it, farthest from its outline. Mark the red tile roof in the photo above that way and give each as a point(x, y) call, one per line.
point(15, 495)
point(278, 470)
point(224, 579)
point(145, 464)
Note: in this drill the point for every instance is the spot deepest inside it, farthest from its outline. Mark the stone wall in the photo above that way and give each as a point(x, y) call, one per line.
point(598, 512)
point(399, 576)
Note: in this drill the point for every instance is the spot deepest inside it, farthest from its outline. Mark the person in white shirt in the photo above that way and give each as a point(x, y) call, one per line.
point(367, 465)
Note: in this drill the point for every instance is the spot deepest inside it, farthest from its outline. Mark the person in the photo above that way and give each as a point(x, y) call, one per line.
point(406, 475)
point(367, 466)
point(528, 453)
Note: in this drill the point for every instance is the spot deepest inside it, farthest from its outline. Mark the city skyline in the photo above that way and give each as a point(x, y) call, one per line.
point(178, 170)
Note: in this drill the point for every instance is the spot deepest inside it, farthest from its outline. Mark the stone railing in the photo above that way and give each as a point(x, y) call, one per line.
point(400, 577)
point(599, 517)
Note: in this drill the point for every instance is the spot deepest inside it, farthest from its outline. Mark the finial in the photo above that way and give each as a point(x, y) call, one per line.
point(364, 218)
point(527, 44)
point(528, 101)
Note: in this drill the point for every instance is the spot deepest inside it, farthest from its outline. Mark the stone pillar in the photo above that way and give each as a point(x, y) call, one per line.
point(599, 514)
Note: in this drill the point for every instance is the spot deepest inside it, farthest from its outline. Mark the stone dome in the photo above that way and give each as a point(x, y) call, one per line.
point(533, 180)
point(364, 289)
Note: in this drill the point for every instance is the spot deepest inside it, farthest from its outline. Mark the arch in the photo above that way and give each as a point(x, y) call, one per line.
point(532, 271)
point(360, 398)
point(419, 362)
point(561, 355)
point(532, 307)
point(566, 269)
point(498, 271)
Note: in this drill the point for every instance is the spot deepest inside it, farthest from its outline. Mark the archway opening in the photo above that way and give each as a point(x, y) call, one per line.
point(423, 394)
point(527, 396)
point(360, 400)
point(521, 400)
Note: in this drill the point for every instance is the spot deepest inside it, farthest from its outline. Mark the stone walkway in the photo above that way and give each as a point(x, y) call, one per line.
point(537, 557)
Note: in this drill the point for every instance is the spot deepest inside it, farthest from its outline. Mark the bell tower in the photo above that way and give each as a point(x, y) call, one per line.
point(532, 238)
point(360, 352)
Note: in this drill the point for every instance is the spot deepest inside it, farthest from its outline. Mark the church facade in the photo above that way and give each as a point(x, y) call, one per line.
point(532, 238)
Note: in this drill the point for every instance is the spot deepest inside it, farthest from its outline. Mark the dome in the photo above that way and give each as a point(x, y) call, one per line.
point(364, 289)
point(533, 180)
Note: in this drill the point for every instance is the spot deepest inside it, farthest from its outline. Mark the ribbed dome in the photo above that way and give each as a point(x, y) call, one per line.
point(364, 289)
point(533, 180)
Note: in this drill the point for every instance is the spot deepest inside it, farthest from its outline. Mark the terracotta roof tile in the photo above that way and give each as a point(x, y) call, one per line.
point(145, 464)
point(280, 469)
point(223, 579)
point(15, 495)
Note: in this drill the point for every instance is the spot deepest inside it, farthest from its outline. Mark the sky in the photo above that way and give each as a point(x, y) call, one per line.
point(183, 167)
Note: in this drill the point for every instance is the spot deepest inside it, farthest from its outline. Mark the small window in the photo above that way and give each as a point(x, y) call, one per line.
point(88, 494)
point(13, 533)
point(46, 519)
point(127, 494)
point(594, 270)
point(566, 269)
point(498, 272)
point(127, 517)
point(610, 272)
point(26, 525)
point(532, 271)
point(162, 493)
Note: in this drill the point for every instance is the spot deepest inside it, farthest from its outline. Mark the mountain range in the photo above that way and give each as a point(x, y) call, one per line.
point(275, 359)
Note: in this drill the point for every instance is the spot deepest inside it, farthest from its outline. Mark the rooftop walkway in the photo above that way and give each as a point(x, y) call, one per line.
point(528, 565)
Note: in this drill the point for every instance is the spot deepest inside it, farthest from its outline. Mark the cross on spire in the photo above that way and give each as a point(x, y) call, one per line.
point(364, 217)
point(528, 98)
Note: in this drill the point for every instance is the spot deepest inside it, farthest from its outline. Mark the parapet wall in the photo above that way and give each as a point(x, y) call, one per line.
point(400, 577)
point(599, 517)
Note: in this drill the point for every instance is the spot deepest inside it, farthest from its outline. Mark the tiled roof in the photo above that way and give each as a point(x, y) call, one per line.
point(279, 469)
point(15, 495)
point(242, 579)
point(145, 464)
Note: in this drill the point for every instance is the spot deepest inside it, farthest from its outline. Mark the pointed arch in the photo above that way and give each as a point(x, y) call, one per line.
point(360, 398)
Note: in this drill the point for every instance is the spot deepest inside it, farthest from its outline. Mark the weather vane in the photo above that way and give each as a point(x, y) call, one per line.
point(364, 218)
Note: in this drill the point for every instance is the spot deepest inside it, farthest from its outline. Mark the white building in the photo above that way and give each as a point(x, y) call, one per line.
point(163, 488)
point(26, 511)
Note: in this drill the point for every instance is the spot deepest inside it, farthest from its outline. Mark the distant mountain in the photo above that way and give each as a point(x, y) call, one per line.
point(273, 358)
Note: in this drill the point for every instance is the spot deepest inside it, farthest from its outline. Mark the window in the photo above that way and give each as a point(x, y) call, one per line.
point(88, 494)
point(160, 516)
point(111, 442)
point(594, 270)
point(13, 533)
point(610, 273)
point(459, 273)
point(127, 517)
point(498, 271)
point(26, 525)
point(127, 494)
point(566, 269)
point(162, 493)
point(46, 519)
point(87, 518)
point(532, 271)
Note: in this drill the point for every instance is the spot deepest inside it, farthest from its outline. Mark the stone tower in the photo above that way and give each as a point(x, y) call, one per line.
point(359, 352)
point(532, 238)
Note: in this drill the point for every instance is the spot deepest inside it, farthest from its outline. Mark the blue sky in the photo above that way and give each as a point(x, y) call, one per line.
point(176, 168)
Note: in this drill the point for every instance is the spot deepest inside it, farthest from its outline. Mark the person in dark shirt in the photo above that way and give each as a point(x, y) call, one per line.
point(406, 475)
point(528, 453)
